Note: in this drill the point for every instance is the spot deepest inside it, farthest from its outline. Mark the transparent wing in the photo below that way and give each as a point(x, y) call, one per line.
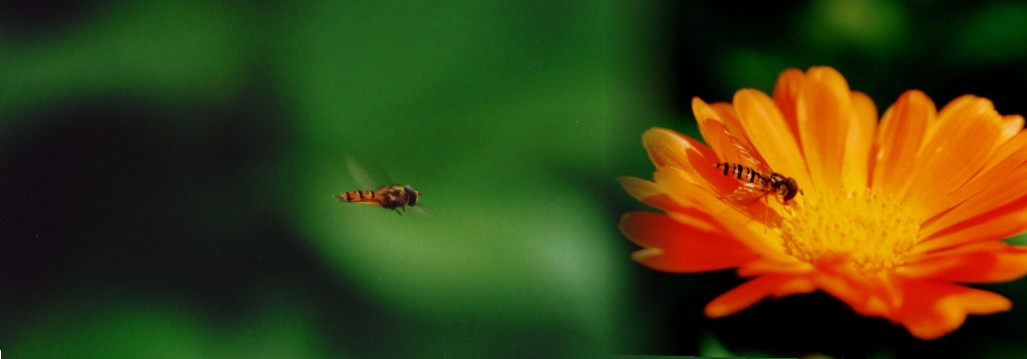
point(746, 194)
point(420, 211)
point(364, 178)
point(737, 147)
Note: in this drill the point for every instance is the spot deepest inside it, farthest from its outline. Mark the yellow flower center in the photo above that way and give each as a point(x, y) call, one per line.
point(870, 230)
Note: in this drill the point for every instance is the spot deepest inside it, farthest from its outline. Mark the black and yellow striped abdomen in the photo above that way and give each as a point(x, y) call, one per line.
point(743, 173)
point(362, 196)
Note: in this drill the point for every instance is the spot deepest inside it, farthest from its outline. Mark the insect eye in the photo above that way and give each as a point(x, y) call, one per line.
point(790, 189)
point(411, 195)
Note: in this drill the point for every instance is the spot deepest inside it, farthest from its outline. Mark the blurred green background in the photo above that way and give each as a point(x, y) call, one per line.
point(167, 171)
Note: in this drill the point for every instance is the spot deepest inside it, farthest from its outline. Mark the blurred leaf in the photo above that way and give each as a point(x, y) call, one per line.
point(80, 327)
point(161, 50)
point(993, 34)
point(129, 332)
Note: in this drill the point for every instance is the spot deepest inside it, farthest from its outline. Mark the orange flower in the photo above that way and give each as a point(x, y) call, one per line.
point(892, 214)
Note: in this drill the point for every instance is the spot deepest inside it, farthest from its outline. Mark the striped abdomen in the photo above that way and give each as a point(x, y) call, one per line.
point(743, 173)
point(362, 196)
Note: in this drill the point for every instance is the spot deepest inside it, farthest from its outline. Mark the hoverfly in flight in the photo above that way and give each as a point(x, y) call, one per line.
point(394, 197)
point(389, 197)
point(746, 165)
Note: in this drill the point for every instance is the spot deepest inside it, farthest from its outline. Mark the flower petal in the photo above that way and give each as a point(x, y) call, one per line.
point(682, 248)
point(823, 113)
point(721, 129)
point(966, 135)
point(959, 250)
point(932, 309)
point(1005, 164)
point(639, 188)
point(650, 193)
point(999, 264)
point(748, 225)
point(859, 140)
point(669, 148)
point(1011, 125)
point(995, 224)
point(901, 131)
point(682, 188)
point(786, 94)
point(654, 194)
point(694, 162)
point(747, 294)
point(770, 135)
point(869, 295)
point(1010, 154)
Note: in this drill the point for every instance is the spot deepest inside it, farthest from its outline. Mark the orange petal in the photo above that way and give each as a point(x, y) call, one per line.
point(822, 111)
point(901, 131)
point(1007, 220)
point(765, 266)
point(727, 115)
point(720, 128)
point(770, 135)
point(704, 113)
point(747, 294)
point(696, 161)
point(992, 201)
point(961, 105)
point(786, 94)
point(669, 148)
point(747, 224)
point(966, 136)
point(1011, 125)
point(959, 250)
point(650, 193)
point(689, 210)
point(639, 188)
point(995, 265)
point(681, 248)
point(862, 125)
point(932, 309)
point(683, 189)
point(869, 295)
point(729, 119)
point(1004, 164)
point(1010, 153)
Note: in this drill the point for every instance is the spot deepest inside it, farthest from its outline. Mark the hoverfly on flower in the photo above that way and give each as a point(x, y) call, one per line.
point(900, 211)
point(757, 184)
point(746, 165)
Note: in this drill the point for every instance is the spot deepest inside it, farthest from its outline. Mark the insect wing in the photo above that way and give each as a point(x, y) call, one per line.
point(363, 177)
point(746, 194)
point(419, 211)
point(736, 147)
